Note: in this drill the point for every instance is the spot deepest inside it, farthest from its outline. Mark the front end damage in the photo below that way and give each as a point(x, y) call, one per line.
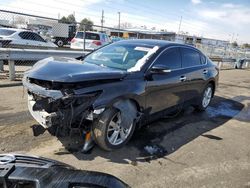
point(60, 111)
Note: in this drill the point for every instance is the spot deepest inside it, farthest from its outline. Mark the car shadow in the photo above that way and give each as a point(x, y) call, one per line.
point(168, 134)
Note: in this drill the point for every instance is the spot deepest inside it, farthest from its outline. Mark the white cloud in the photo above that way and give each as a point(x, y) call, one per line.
point(226, 19)
point(231, 16)
point(196, 1)
point(228, 5)
point(213, 14)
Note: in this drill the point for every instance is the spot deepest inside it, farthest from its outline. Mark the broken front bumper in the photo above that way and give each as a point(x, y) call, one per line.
point(42, 117)
point(55, 107)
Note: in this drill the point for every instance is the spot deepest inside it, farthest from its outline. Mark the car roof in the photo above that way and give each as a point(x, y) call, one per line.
point(93, 32)
point(154, 42)
point(15, 29)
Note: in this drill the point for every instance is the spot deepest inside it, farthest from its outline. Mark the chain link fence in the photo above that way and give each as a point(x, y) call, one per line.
point(24, 31)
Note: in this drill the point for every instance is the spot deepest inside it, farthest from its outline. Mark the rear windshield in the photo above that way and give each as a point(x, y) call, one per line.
point(6, 32)
point(91, 36)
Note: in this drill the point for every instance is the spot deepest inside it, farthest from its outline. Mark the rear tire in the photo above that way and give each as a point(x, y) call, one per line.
point(102, 131)
point(205, 98)
point(60, 43)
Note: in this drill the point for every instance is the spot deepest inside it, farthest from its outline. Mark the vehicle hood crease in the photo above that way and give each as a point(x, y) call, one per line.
point(70, 70)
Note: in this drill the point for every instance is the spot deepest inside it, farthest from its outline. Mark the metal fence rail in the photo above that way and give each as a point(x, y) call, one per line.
point(10, 55)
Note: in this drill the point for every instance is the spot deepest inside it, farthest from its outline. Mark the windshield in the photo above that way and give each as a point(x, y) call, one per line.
point(6, 32)
point(91, 36)
point(122, 56)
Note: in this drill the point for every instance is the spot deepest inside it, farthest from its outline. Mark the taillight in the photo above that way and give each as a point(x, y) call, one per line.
point(73, 40)
point(97, 43)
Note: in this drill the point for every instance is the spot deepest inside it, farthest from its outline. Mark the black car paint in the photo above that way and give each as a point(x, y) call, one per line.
point(151, 92)
point(68, 71)
point(42, 172)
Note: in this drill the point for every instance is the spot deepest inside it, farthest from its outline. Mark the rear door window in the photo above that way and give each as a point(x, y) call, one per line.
point(38, 37)
point(190, 58)
point(89, 36)
point(25, 35)
point(203, 59)
point(92, 36)
point(171, 58)
point(79, 35)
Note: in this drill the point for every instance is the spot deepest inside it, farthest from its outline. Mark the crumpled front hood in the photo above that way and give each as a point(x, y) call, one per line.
point(71, 70)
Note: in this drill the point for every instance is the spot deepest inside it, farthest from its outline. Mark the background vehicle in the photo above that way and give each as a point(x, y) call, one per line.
point(93, 40)
point(240, 62)
point(117, 87)
point(63, 33)
point(23, 171)
point(10, 37)
point(115, 39)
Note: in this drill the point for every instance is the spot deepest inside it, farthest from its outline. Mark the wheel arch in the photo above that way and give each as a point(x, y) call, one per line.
point(212, 82)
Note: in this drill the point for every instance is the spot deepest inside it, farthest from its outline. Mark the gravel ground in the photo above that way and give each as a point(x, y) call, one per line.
point(209, 149)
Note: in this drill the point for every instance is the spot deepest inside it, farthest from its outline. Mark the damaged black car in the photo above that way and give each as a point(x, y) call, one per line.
point(111, 91)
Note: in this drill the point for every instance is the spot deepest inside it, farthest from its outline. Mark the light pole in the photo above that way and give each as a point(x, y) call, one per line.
point(119, 23)
point(102, 20)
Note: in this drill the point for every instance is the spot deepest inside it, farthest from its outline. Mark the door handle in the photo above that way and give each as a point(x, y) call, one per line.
point(205, 71)
point(183, 78)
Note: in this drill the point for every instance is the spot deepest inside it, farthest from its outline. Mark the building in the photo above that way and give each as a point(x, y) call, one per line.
point(143, 34)
point(194, 40)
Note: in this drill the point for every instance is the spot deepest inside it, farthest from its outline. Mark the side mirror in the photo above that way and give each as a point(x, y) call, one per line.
point(159, 69)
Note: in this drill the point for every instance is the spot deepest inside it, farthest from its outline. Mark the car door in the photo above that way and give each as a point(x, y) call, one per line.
point(29, 39)
point(39, 40)
point(164, 90)
point(195, 72)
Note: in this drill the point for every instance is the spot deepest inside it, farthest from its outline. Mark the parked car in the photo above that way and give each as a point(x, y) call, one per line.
point(240, 62)
point(115, 39)
point(24, 171)
point(10, 37)
point(119, 87)
point(93, 40)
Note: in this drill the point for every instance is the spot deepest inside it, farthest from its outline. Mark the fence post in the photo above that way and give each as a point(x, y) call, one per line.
point(11, 70)
point(220, 64)
point(84, 39)
point(1, 65)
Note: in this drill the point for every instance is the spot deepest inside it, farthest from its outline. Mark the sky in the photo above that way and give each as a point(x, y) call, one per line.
point(221, 19)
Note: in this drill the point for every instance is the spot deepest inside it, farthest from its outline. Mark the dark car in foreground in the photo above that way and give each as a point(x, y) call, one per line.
point(24, 171)
point(117, 88)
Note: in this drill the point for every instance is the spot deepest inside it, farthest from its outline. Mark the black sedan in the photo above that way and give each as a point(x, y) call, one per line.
point(113, 90)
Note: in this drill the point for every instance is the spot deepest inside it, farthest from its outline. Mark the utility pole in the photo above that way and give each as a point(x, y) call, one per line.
point(232, 38)
point(119, 23)
point(180, 25)
point(102, 20)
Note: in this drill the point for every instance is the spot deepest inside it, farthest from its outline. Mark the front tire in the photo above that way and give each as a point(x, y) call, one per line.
point(60, 43)
point(108, 133)
point(206, 98)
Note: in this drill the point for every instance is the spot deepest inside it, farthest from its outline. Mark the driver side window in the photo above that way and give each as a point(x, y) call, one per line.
point(170, 58)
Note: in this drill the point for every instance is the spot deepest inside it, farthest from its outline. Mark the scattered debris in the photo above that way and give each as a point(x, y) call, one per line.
point(154, 150)
point(134, 163)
